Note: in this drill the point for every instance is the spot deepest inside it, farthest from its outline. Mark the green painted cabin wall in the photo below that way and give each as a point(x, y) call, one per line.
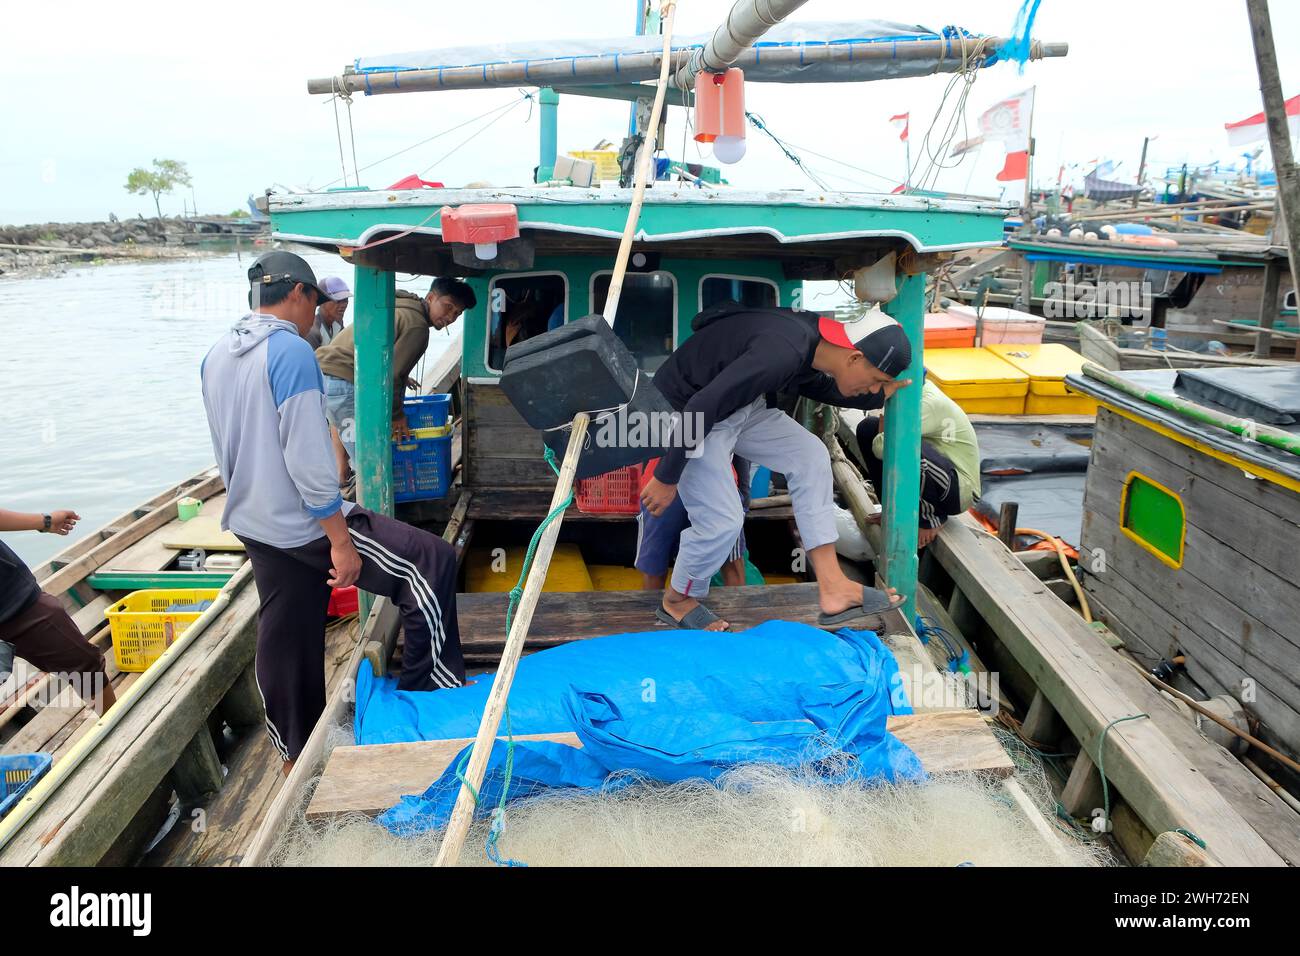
point(580, 270)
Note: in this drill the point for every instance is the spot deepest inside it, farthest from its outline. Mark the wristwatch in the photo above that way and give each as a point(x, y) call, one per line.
point(49, 523)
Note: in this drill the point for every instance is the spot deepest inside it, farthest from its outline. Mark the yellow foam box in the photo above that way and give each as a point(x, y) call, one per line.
point(612, 577)
point(568, 571)
point(1060, 405)
point(978, 380)
point(1047, 365)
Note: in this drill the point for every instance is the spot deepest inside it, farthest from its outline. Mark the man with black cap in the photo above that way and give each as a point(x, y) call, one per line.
point(724, 379)
point(265, 400)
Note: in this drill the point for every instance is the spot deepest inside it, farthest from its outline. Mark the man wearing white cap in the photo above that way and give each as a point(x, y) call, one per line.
point(329, 314)
point(724, 380)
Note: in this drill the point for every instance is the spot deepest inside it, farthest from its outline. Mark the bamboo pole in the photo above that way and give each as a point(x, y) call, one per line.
point(1279, 131)
point(668, 13)
point(1215, 209)
point(1241, 427)
point(1206, 712)
point(462, 814)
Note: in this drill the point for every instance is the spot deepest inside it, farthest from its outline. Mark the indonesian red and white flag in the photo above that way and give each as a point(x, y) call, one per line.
point(1254, 128)
point(901, 123)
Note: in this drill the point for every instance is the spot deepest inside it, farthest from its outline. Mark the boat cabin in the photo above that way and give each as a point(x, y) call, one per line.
point(692, 248)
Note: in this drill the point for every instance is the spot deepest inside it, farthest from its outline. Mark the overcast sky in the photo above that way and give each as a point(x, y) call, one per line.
point(94, 89)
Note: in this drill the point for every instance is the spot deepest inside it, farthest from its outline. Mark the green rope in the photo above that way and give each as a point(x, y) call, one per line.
point(1101, 765)
point(516, 593)
point(1191, 836)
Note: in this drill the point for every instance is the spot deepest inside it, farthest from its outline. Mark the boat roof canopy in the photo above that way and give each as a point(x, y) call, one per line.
point(815, 235)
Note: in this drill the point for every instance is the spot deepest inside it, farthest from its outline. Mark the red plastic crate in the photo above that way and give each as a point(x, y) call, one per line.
point(613, 493)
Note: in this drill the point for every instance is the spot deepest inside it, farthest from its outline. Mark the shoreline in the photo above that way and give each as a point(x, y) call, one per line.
point(47, 249)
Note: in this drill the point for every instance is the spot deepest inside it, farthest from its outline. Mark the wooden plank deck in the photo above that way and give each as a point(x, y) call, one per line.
point(254, 777)
point(370, 779)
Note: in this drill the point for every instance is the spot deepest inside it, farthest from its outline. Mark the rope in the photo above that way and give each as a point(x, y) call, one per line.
point(499, 813)
point(352, 138)
point(758, 124)
point(338, 132)
point(475, 134)
point(966, 76)
point(449, 130)
point(597, 416)
point(958, 659)
point(1101, 765)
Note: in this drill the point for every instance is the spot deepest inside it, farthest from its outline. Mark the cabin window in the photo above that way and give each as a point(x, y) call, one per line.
point(647, 314)
point(1153, 516)
point(522, 306)
point(756, 293)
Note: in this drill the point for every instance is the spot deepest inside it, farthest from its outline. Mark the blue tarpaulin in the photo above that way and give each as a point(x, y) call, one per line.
point(668, 705)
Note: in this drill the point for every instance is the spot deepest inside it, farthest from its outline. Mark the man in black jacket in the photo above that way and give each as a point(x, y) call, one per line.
point(724, 380)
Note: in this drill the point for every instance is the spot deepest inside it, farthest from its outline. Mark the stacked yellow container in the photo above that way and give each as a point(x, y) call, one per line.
point(1047, 366)
point(979, 381)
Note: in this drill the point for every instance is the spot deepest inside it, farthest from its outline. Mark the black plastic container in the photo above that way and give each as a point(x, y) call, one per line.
point(584, 367)
point(581, 366)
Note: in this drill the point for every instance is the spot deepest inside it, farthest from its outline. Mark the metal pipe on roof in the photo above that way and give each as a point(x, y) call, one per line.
point(639, 67)
point(747, 21)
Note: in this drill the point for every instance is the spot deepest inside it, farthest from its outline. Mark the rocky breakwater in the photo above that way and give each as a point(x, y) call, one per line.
point(38, 248)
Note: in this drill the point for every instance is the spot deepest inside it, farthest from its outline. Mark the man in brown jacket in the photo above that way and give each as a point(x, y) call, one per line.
point(413, 317)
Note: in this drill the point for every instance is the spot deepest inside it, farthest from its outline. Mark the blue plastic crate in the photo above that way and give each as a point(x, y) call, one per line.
point(422, 468)
point(427, 411)
point(18, 772)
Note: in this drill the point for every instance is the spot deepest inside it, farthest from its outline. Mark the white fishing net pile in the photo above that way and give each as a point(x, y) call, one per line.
point(756, 815)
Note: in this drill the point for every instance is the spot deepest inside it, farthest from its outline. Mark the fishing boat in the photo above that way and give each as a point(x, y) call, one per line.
point(1065, 683)
point(1073, 687)
point(1155, 300)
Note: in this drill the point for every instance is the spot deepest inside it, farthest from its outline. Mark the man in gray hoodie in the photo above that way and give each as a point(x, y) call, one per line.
point(265, 400)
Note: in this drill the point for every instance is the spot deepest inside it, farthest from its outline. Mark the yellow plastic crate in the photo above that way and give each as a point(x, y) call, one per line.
point(978, 381)
point(606, 161)
point(143, 627)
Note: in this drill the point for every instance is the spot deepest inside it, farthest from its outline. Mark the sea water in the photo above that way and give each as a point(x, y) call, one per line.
point(100, 407)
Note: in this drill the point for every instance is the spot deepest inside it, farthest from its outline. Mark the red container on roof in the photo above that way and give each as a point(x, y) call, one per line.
point(480, 223)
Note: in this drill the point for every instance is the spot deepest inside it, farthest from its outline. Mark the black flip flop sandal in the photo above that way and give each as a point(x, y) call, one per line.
point(697, 619)
point(874, 602)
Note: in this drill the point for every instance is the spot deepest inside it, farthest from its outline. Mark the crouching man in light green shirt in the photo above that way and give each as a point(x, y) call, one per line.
point(950, 459)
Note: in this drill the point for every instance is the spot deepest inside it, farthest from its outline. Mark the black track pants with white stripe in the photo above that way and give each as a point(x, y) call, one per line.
point(414, 568)
point(940, 491)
